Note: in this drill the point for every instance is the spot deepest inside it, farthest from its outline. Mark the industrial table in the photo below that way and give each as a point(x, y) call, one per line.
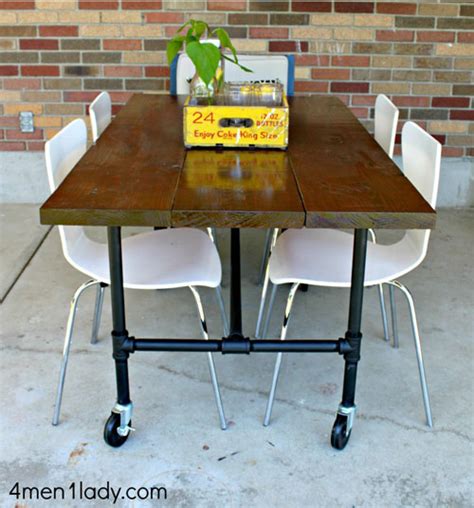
point(333, 175)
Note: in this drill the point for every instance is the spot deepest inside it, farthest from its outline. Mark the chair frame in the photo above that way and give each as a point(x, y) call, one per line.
point(416, 338)
point(101, 286)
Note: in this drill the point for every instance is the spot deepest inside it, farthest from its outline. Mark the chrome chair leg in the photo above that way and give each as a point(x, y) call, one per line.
point(373, 239)
point(212, 234)
point(212, 368)
point(266, 280)
point(276, 372)
point(263, 297)
point(393, 307)
point(99, 301)
point(266, 251)
point(220, 301)
point(67, 347)
point(269, 311)
point(383, 310)
point(419, 355)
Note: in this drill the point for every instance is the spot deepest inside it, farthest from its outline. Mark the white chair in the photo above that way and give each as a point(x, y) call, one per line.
point(100, 112)
point(385, 131)
point(165, 259)
point(385, 123)
point(323, 257)
point(386, 118)
point(264, 68)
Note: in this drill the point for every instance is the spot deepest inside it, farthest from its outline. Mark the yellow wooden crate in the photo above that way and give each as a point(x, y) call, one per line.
point(236, 126)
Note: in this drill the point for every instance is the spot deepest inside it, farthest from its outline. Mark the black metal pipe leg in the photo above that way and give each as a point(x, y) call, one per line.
point(348, 390)
point(235, 342)
point(342, 428)
point(118, 426)
point(123, 387)
point(235, 284)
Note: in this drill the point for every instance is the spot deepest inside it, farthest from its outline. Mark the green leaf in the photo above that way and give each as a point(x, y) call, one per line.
point(179, 38)
point(189, 36)
point(173, 48)
point(184, 25)
point(228, 58)
point(199, 28)
point(225, 41)
point(205, 57)
point(245, 69)
point(220, 82)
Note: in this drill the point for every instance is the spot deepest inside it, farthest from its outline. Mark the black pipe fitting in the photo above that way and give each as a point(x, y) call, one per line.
point(236, 344)
point(353, 340)
point(345, 347)
point(122, 345)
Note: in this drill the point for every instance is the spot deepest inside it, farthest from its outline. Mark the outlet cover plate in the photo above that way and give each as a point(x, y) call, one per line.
point(27, 122)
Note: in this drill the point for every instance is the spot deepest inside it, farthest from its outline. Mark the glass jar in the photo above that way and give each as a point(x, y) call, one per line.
point(199, 90)
point(268, 93)
point(238, 94)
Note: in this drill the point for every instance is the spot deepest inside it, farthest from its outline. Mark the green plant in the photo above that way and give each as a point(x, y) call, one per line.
point(204, 55)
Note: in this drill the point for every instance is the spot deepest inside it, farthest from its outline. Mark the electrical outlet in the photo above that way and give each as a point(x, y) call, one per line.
point(27, 122)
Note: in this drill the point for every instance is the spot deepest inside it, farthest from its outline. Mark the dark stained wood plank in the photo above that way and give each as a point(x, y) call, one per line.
point(132, 176)
point(129, 177)
point(345, 178)
point(237, 188)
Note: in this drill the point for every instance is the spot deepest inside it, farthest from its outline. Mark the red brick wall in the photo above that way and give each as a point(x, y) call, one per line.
point(56, 55)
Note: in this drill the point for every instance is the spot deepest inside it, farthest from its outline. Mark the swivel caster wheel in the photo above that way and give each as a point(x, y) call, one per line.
point(111, 435)
point(340, 434)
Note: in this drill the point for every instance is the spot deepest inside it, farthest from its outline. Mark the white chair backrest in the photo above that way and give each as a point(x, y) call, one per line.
point(421, 155)
point(386, 118)
point(264, 68)
point(100, 112)
point(62, 153)
point(185, 70)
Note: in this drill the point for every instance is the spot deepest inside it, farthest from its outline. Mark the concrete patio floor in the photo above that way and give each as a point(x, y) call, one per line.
point(392, 459)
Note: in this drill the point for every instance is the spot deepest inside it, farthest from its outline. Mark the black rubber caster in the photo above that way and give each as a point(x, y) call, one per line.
point(339, 435)
point(111, 436)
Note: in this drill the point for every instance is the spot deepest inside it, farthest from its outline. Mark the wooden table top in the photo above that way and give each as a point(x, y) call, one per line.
point(333, 174)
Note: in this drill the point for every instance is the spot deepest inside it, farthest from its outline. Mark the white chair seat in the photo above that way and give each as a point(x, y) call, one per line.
point(323, 257)
point(163, 259)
